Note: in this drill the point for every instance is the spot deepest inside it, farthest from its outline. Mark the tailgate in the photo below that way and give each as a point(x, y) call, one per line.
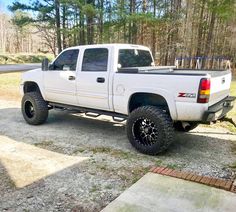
point(220, 86)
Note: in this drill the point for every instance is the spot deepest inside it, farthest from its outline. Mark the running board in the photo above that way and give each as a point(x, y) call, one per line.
point(90, 111)
point(118, 119)
point(93, 115)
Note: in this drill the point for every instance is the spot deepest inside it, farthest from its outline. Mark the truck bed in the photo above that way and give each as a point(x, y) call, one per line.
point(220, 79)
point(171, 70)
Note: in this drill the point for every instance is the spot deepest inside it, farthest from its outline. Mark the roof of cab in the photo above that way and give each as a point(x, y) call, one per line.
point(117, 45)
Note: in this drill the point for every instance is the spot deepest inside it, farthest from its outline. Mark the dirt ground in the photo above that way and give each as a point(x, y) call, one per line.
point(78, 163)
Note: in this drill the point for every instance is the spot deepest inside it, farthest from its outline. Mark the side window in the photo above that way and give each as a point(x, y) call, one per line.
point(66, 61)
point(95, 59)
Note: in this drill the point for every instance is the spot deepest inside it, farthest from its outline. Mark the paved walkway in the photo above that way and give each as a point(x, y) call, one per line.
point(26, 164)
point(155, 192)
point(18, 67)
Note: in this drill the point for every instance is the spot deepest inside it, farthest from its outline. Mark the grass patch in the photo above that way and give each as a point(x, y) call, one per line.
point(233, 88)
point(9, 86)
point(109, 187)
point(136, 173)
point(79, 150)
point(100, 150)
point(173, 166)
point(94, 189)
point(49, 145)
point(158, 162)
point(44, 144)
point(111, 152)
point(6, 180)
point(233, 165)
point(231, 114)
point(23, 58)
point(233, 148)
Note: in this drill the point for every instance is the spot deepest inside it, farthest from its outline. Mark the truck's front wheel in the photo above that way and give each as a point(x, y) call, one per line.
point(150, 130)
point(34, 108)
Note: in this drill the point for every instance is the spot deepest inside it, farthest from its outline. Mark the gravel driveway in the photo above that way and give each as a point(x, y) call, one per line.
point(111, 163)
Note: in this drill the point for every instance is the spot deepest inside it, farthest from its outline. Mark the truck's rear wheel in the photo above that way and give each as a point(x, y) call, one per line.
point(178, 126)
point(34, 108)
point(150, 130)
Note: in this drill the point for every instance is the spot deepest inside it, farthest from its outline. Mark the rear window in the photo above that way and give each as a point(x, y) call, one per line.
point(134, 58)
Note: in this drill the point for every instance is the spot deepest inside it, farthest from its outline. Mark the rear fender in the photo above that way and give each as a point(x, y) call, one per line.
point(161, 92)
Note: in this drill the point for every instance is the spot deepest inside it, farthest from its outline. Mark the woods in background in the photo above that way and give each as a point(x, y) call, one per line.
point(170, 28)
point(15, 38)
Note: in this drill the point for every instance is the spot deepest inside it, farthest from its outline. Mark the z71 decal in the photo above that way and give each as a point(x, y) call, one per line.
point(187, 95)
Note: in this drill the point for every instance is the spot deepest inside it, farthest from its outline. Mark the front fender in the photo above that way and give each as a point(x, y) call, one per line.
point(35, 76)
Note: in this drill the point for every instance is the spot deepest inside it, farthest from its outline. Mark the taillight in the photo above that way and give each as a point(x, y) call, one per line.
point(204, 91)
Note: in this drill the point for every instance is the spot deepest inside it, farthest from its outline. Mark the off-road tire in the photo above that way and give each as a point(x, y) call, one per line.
point(163, 127)
point(179, 127)
point(39, 113)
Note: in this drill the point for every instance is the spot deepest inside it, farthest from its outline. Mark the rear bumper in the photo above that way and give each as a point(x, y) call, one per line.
point(219, 110)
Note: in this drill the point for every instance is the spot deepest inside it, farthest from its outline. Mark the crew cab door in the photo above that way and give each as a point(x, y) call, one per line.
point(60, 79)
point(92, 80)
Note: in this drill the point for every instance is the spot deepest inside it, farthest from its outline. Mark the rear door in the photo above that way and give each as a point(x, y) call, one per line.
point(93, 79)
point(60, 79)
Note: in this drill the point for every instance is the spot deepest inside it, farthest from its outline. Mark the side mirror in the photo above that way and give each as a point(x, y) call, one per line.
point(51, 66)
point(45, 64)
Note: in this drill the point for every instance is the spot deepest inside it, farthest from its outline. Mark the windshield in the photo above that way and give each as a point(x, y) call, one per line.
point(134, 58)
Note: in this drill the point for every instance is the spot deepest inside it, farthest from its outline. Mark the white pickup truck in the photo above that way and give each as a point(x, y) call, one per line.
point(122, 81)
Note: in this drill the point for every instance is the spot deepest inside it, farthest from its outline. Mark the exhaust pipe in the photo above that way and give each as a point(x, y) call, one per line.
point(185, 125)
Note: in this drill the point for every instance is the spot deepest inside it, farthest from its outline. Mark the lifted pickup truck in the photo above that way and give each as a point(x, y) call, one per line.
point(121, 80)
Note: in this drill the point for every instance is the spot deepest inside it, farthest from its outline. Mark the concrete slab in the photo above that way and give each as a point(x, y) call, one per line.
point(155, 192)
point(26, 164)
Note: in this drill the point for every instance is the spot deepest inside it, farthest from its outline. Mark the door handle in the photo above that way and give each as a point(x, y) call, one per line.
point(71, 78)
point(100, 80)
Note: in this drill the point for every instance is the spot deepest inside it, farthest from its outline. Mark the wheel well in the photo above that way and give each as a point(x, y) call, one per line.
point(31, 87)
point(142, 99)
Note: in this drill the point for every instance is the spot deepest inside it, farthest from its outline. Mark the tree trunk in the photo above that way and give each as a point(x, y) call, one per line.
point(130, 22)
point(90, 27)
point(101, 6)
point(200, 29)
point(58, 25)
point(143, 24)
point(210, 34)
point(64, 26)
point(154, 31)
point(134, 25)
point(81, 29)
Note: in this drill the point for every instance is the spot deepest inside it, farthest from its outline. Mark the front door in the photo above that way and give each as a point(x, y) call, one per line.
point(60, 79)
point(92, 82)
